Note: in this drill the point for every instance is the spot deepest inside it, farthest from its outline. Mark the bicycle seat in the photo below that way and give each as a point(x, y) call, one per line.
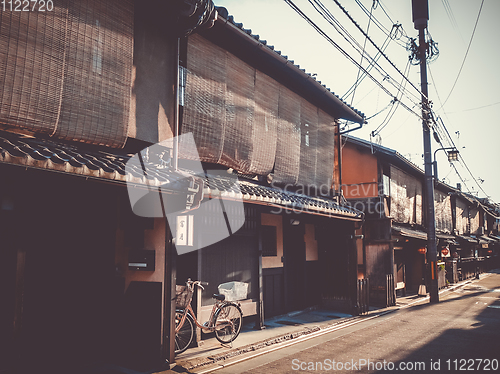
point(219, 297)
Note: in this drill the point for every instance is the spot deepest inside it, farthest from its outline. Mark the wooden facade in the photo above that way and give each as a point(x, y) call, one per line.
point(100, 87)
point(395, 230)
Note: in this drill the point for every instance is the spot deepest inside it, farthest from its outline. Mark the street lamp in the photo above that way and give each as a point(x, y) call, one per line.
point(452, 156)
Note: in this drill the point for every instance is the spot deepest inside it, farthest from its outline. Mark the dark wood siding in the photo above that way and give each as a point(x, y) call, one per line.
point(232, 259)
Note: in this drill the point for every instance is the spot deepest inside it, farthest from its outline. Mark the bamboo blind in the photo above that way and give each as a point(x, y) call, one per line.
point(462, 214)
point(204, 113)
point(325, 149)
point(443, 209)
point(239, 107)
point(67, 72)
point(287, 162)
point(243, 119)
point(406, 197)
point(97, 76)
point(308, 144)
point(31, 68)
point(265, 126)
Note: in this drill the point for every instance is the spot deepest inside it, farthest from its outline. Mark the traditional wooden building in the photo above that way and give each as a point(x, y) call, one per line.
point(389, 189)
point(87, 86)
point(262, 118)
point(84, 86)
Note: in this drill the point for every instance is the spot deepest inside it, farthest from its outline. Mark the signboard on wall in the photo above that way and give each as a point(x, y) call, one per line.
point(184, 232)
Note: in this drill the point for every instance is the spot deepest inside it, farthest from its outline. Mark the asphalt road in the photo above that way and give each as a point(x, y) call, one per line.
point(459, 334)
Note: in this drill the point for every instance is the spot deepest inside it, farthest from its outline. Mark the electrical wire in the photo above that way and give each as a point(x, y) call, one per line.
point(451, 17)
point(391, 112)
point(363, 53)
point(368, 68)
point(343, 52)
point(381, 26)
point(444, 134)
point(476, 108)
point(328, 16)
point(450, 141)
point(378, 48)
point(466, 54)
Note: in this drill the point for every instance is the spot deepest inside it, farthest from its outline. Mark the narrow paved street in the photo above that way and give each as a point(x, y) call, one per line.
point(461, 333)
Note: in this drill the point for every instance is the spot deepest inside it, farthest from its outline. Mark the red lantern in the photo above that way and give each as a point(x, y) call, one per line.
point(422, 250)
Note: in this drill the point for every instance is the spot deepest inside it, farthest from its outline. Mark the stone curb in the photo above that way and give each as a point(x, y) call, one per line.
point(205, 361)
point(209, 360)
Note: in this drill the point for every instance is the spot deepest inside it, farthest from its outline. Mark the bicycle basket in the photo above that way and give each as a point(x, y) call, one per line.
point(182, 296)
point(234, 291)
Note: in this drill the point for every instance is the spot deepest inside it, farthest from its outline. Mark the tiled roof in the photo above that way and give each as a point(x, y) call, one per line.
point(408, 232)
point(106, 164)
point(251, 192)
point(76, 159)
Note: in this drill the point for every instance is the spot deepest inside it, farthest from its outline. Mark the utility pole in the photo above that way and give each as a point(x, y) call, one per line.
point(420, 10)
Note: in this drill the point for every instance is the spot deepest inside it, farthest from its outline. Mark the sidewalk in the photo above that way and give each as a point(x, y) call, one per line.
point(280, 329)
point(277, 330)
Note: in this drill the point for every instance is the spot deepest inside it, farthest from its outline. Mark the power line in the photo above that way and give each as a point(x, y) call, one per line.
point(461, 159)
point(445, 135)
point(328, 16)
point(382, 27)
point(451, 16)
point(363, 54)
point(401, 88)
point(342, 51)
point(391, 112)
point(375, 45)
point(476, 108)
point(466, 54)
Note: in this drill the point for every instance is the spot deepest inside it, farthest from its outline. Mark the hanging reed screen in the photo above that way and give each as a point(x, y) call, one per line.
point(97, 76)
point(32, 46)
point(287, 159)
point(325, 154)
point(265, 124)
point(308, 145)
point(204, 111)
point(239, 106)
point(243, 119)
point(67, 72)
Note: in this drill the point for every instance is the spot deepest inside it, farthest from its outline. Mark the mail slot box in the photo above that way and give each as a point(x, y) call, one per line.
point(141, 260)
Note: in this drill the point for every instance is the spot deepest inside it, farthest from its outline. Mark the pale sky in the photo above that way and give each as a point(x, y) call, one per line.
point(468, 113)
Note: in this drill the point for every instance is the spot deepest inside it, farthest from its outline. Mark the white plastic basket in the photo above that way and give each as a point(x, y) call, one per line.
point(234, 290)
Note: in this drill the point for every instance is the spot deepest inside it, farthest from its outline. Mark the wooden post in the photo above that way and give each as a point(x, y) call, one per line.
point(259, 325)
point(170, 280)
point(198, 292)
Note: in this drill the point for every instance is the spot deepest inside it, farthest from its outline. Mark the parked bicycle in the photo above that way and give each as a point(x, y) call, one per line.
point(225, 319)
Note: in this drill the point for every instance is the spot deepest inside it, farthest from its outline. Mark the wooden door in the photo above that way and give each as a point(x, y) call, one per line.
point(294, 265)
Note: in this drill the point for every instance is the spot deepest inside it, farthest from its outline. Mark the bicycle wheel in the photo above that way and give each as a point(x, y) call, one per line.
point(185, 335)
point(228, 321)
